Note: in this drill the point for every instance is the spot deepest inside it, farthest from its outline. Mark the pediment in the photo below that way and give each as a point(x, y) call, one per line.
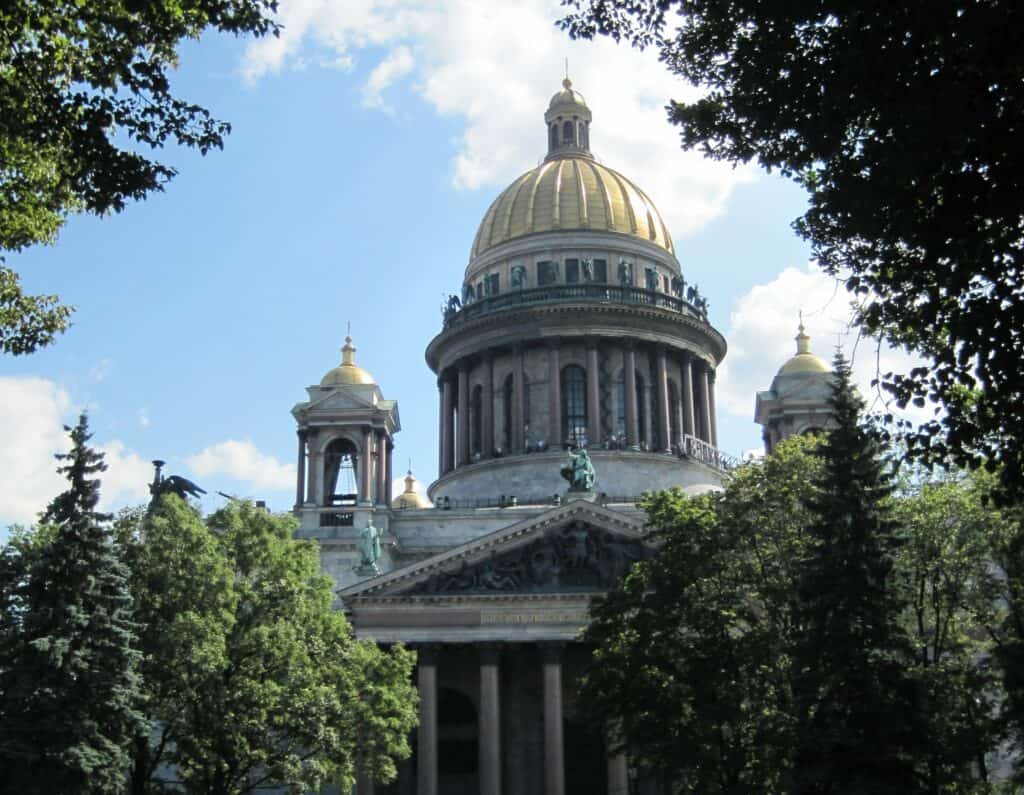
point(340, 401)
point(576, 548)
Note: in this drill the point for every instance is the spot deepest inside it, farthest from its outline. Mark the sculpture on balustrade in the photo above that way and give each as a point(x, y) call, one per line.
point(451, 308)
point(650, 278)
point(588, 270)
point(678, 285)
point(518, 276)
point(369, 550)
point(625, 272)
point(579, 471)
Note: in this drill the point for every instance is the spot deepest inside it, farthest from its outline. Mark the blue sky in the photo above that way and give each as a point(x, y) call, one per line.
point(367, 144)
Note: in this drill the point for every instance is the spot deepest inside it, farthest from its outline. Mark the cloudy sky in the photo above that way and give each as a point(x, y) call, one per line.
point(368, 140)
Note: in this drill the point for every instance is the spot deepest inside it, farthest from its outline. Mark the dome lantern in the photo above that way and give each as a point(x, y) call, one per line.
point(347, 373)
point(568, 122)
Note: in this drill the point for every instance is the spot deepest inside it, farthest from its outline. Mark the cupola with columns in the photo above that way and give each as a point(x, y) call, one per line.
point(345, 439)
point(799, 398)
point(575, 326)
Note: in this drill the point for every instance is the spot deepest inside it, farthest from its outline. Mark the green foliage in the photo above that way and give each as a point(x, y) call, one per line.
point(901, 121)
point(254, 679)
point(692, 650)
point(83, 88)
point(69, 687)
point(857, 718)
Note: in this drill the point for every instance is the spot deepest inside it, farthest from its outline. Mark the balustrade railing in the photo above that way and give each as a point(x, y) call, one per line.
point(455, 314)
point(700, 450)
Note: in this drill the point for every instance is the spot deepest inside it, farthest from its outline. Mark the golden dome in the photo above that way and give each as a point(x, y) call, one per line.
point(410, 498)
point(348, 372)
point(804, 361)
point(571, 193)
point(567, 96)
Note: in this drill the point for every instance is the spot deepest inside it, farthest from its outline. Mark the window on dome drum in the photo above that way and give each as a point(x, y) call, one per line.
point(476, 415)
point(572, 271)
point(507, 391)
point(553, 136)
point(547, 272)
point(491, 284)
point(574, 403)
point(600, 270)
point(567, 133)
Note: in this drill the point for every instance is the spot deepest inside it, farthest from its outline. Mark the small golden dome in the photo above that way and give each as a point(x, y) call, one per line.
point(348, 372)
point(567, 96)
point(804, 361)
point(571, 193)
point(410, 498)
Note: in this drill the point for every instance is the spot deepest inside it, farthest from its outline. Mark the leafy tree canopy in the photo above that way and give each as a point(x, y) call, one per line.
point(84, 91)
point(903, 123)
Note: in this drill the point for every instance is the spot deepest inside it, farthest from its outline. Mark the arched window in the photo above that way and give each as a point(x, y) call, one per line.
point(476, 438)
point(673, 414)
point(574, 403)
point(340, 467)
point(553, 137)
point(567, 133)
point(507, 392)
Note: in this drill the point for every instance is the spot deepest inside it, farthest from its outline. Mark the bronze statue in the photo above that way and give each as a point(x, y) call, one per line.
point(579, 471)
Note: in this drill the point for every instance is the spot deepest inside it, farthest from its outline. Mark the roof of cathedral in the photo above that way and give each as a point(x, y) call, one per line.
point(348, 372)
point(570, 190)
point(804, 361)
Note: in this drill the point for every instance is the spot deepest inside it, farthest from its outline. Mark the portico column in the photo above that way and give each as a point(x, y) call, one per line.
point(300, 480)
point(487, 409)
point(315, 479)
point(629, 387)
point(490, 720)
point(593, 396)
point(440, 427)
point(689, 420)
point(519, 414)
point(554, 752)
point(387, 473)
point(364, 784)
point(711, 408)
point(664, 442)
point(705, 403)
point(462, 434)
point(447, 426)
point(382, 468)
point(618, 773)
point(426, 777)
point(366, 468)
point(554, 398)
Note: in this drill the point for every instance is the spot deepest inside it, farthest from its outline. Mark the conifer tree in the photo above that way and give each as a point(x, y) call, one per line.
point(69, 687)
point(855, 702)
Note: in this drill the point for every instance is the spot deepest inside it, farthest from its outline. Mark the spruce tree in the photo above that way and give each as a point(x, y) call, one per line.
point(69, 684)
point(855, 702)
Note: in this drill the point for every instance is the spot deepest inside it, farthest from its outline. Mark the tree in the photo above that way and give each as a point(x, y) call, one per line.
point(857, 722)
point(69, 686)
point(253, 679)
point(902, 122)
point(84, 87)
point(691, 659)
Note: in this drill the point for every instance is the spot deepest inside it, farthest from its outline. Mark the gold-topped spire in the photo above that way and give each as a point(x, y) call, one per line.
point(348, 372)
point(411, 498)
point(804, 361)
point(803, 342)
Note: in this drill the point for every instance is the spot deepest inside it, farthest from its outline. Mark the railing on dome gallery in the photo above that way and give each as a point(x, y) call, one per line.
point(559, 293)
point(705, 453)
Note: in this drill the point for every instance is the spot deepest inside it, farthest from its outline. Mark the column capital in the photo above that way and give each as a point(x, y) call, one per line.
point(489, 652)
point(552, 651)
point(426, 653)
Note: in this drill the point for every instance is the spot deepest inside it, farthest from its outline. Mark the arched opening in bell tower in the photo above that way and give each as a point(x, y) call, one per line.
point(340, 482)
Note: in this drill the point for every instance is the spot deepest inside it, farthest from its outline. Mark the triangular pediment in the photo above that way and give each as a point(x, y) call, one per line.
point(578, 547)
point(340, 401)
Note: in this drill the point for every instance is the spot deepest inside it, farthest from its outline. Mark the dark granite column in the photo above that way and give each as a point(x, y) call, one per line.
point(447, 426)
point(490, 720)
point(554, 398)
point(629, 387)
point(426, 751)
point(487, 409)
point(462, 434)
point(593, 396)
point(519, 415)
point(300, 480)
point(366, 468)
point(554, 749)
point(664, 442)
point(383, 498)
point(705, 402)
point(713, 420)
point(689, 415)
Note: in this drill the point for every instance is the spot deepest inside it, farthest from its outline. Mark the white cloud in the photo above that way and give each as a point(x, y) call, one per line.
point(496, 65)
point(33, 412)
point(398, 64)
point(242, 460)
point(762, 327)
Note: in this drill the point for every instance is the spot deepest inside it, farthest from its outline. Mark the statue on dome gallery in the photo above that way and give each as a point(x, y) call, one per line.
point(579, 471)
point(625, 272)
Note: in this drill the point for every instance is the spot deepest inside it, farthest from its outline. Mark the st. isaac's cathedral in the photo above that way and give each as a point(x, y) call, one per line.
point(575, 329)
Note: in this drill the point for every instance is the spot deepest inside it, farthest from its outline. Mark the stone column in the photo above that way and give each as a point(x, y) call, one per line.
point(447, 427)
point(388, 471)
point(487, 409)
point(490, 720)
point(554, 751)
point(629, 387)
point(383, 496)
point(300, 480)
point(618, 774)
point(689, 420)
point(364, 784)
point(462, 434)
point(712, 419)
point(554, 398)
point(705, 403)
point(593, 396)
point(315, 469)
point(440, 427)
point(519, 409)
point(366, 468)
point(426, 751)
point(664, 442)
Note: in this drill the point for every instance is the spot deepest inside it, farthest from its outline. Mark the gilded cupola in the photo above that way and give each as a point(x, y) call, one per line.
point(348, 372)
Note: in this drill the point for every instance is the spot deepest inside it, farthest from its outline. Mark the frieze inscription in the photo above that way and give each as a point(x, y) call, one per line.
point(569, 559)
